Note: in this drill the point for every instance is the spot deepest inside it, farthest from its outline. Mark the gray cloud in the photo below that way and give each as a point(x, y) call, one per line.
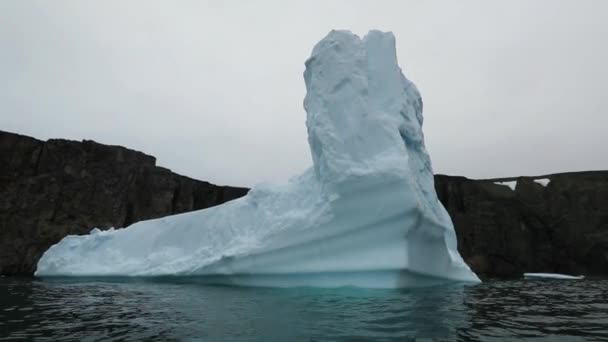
point(214, 89)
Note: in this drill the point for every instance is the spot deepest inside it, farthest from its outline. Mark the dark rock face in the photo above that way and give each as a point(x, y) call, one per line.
point(59, 187)
point(561, 228)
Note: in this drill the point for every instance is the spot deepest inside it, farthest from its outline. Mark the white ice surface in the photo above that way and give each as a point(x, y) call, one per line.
point(550, 276)
point(511, 184)
point(365, 214)
point(543, 181)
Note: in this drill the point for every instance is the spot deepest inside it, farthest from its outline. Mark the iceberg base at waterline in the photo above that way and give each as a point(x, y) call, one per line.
point(365, 214)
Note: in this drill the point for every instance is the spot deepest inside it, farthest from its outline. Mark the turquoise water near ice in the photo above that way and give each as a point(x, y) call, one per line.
point(185, 310)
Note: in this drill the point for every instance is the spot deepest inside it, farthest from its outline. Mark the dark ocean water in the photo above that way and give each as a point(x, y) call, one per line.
point(135, 309)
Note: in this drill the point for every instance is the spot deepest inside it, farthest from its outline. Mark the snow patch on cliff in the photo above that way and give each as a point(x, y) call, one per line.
point(543, 181)
point(512, 184)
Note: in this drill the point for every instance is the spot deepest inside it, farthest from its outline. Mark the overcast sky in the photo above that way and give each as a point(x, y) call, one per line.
point(214, 89)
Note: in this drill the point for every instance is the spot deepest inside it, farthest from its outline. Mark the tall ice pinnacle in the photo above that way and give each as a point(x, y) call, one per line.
point(366, 214)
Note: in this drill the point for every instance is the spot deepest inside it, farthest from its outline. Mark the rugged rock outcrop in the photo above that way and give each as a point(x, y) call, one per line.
point(561, 227)
point(59, 187)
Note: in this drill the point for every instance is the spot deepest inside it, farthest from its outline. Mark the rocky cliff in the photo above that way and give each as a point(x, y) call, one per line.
point(59, 187)
point(561, 227)
point(49, 189)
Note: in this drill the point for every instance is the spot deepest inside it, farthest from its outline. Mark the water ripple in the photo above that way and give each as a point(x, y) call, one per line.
point(137, 310)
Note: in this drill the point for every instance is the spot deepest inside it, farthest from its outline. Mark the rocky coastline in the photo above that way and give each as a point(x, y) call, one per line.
point(554, 223)
point(505, 227)
point(50, 189)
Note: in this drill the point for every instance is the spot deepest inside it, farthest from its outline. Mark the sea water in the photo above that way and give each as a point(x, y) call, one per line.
point(182, 309)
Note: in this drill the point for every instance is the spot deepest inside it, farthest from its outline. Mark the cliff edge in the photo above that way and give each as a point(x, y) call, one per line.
point(555, 223)
point(50, 189)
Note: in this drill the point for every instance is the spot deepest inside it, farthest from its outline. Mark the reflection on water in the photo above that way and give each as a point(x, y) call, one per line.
point(539, 310)
point(136, 309)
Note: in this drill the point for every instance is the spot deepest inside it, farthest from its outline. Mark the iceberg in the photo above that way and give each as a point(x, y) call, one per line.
point(365, 214)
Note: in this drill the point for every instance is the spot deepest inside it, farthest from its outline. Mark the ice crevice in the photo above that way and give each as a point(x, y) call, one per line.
point(365, 214)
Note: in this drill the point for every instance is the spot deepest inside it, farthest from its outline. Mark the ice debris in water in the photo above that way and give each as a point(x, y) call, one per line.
point(551, 276)
point(365, 214)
